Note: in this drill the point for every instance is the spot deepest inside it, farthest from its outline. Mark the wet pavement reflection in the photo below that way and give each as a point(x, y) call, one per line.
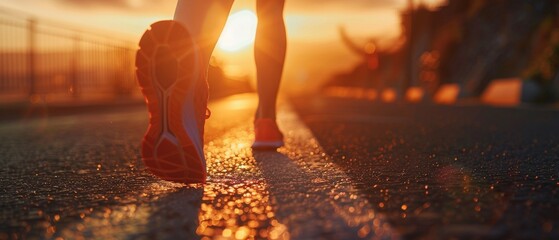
point(80, 177)
point(352, 170)
point(236, 202)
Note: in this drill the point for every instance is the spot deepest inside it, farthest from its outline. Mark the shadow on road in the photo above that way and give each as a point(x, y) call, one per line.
point(175, 216)
point(446, 172)
point(301, 202)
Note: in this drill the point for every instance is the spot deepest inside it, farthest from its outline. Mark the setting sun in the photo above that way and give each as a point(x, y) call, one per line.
point(239, 31)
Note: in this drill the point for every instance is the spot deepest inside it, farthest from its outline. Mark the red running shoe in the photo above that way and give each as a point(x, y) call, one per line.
point(176, 92)
point(267, 135)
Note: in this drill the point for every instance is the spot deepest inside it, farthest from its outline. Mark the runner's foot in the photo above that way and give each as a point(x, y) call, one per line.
point(176, 92)
point(267, 135)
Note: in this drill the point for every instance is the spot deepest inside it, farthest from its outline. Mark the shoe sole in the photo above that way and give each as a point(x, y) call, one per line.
point(261, 145)
point(168, 73)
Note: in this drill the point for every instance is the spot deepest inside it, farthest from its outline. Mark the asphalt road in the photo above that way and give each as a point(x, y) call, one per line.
point(350, 169)
point(447, 172)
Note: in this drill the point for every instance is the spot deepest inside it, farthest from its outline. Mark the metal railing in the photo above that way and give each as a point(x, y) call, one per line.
point(43, 59)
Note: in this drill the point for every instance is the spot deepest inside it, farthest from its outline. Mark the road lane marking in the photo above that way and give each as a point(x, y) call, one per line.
point(307, 185)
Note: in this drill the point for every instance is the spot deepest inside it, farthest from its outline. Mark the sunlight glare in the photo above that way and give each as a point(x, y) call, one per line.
point(239, 31)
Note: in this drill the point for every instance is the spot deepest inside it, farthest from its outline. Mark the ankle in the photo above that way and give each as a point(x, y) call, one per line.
point(261, 114)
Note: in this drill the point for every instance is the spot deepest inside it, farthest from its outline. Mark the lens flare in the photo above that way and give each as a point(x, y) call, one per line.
point(239, 31)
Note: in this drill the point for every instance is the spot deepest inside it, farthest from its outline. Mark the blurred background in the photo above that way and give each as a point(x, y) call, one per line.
point(500, 52)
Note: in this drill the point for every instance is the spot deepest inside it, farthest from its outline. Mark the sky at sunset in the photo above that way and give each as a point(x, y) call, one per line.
point(315, 50)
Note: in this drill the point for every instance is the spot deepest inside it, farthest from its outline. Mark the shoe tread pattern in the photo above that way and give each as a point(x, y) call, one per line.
point(167, 150)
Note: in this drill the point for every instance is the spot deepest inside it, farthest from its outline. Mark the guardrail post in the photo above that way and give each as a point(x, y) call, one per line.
point(74, 66)
point(409, 79)
point(129, 66)
point(31, 55)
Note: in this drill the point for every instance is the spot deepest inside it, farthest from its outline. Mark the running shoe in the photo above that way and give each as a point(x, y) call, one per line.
point(176, 92)
point(267, 135)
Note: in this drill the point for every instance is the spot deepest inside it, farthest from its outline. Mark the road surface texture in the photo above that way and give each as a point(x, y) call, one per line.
point(446, 172)
point(351, 169)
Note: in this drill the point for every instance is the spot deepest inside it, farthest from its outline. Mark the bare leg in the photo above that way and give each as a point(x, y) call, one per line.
point(204, 19)
point(269, 54)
